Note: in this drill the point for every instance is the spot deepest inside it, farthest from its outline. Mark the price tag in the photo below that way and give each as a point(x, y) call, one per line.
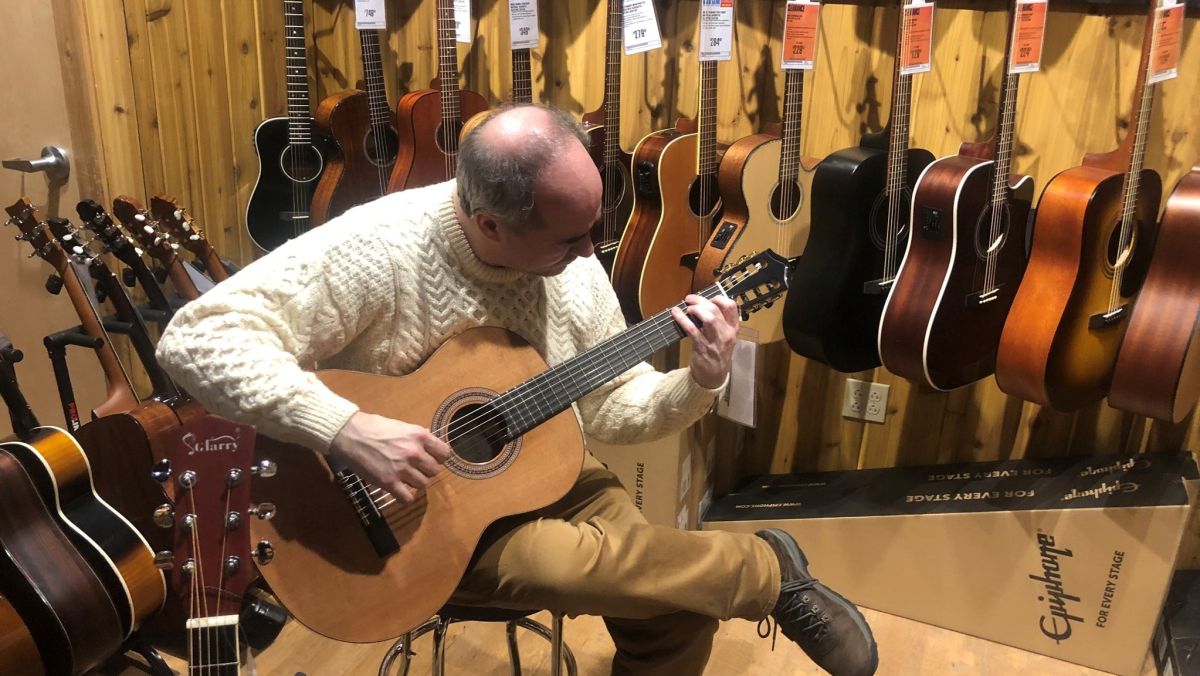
point(462, 21)
point(1029, 33)
point(1168, 31)
point(800, 34)
point(641, 27)
point(370, 15)
point(523, 23)
point(916, 54)
point(716, 30)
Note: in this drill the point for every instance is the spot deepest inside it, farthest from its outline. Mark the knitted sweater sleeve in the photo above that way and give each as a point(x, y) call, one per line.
point(641, 404)
point(245, 350)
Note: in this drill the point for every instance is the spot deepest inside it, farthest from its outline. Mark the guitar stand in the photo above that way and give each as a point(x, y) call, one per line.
point(136, 643)
point(56, 348)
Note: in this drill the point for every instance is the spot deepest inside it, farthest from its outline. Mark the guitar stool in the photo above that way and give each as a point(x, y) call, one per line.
point(560, 653)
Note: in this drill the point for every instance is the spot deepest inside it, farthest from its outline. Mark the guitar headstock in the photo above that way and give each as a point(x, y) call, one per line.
point(97, 221)
point(178, 223)
point(756, 281)
point(209, 465)
point(143, 228)
point(33, 230)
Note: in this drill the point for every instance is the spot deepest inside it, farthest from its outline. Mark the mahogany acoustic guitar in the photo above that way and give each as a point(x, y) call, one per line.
point(860, 211)
point(144, 230)
point(1158, 367)
point(346, 549)
point(965, 257)
point(430, 121)
point(116, 242)
point(766, 189)
point(604, 130)
point(18, 650)
point(180, 225)
point(1092, 240)
point(361, 124)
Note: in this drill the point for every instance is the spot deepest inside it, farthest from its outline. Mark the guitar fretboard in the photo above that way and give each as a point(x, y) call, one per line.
point(213, 646)
point(522, 77)
point(707, 165)
point(897, 158)
point(299, 113)
point(612, 90)
point(448, 63)
point(793, 102)
point(373, 76)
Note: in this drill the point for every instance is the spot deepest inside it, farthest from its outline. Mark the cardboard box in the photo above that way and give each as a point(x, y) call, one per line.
point(1067, 557)
point(1177, 641)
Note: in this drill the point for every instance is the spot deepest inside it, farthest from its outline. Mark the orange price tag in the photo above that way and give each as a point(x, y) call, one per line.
point(1164, 62)
point(1029, 32)
point(916, 50)
point(800, 34)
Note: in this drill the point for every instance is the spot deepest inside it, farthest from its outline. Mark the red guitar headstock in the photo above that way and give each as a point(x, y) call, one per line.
point(178, 223)
point(209, 468)
point(143, 228)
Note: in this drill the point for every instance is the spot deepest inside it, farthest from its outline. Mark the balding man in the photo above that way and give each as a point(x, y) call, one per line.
point(507, 244)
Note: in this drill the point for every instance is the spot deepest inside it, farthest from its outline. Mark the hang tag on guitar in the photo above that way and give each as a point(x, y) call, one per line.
point(917, 54)
point(1168, 34)
point(462, 21)
point(800, 34)
point(523, 23)
point(1029, 34)
point(737, 401)
point(370, 14)
point(641, 27)
point(716, 30)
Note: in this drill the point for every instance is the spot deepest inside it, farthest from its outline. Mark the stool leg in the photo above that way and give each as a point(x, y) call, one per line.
point(439, 647)
point(406, 653)
point(514, 653)
point(556, 642)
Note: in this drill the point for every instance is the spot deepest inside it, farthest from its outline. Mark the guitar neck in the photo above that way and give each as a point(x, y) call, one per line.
point(707, 164)
point(1006, 127)
point(897, 162)
point(448, 65)
point(1143, 99)
point(793, 102)
point(213, 646)
point(373, 76)
point(612, 88)
point(299, 110)
point(542, 397)
point(522, 77)
point(117, 383)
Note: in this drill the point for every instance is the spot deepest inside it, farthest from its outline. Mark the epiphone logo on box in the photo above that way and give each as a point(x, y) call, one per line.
point(224, 442)
point(1056, 625)
point(1105, 488)
point(1119, 466)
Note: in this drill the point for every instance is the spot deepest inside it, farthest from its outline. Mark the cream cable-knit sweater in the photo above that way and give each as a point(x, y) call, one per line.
point(378, 290)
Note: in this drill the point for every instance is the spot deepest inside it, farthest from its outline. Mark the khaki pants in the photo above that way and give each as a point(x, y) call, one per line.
point(660, 590)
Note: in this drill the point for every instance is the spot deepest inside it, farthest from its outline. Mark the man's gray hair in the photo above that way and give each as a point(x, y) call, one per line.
point(497, 181)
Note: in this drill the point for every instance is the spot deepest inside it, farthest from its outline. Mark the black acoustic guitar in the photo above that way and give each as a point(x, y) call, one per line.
point(291, 153)
point(860, 213)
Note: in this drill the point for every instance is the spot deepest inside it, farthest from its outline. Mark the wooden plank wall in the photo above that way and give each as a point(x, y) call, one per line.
point(181, 84)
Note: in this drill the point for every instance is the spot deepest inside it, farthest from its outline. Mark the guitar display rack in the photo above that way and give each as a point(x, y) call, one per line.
point(56, 349)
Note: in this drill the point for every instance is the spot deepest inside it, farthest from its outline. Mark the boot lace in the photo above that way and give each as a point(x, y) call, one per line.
point(805, 619)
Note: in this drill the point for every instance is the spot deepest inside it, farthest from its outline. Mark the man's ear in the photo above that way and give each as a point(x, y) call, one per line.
point(487, 226)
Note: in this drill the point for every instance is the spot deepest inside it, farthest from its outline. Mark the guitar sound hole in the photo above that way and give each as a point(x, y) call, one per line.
point(447, 137)
point(614, 186)
point(786, 200)
point(1118, 257)
point(301, 164)
point(704, 199)
point(985, 242)
point(382, 153)
point(477, 433)
point(879, 219)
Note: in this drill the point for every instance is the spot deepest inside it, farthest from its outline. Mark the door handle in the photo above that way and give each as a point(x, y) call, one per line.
point(54, 162)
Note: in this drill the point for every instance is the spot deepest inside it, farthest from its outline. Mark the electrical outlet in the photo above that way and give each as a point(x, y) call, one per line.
point(865, 400)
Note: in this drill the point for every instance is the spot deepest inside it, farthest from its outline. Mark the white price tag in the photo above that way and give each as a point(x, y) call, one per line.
point(1168, 34)
point(523, 23)
point(641, 27)
point(716, 30)
point(737, 401)
point(800, 27)
point(462, 21)
point(370, 15)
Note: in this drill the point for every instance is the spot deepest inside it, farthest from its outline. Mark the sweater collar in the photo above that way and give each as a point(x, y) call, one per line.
point(460, 247)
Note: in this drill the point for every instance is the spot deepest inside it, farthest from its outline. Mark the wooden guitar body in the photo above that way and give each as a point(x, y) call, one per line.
point(831, 317)
point(936, 328)
point(288, 175)
point(759, 214)
point(422, 159)
point(350, 177)
point(1048, 352)
point(65, 606)
point(643, 219)
point(1158, 366)
point(18, 651)
point(325, 567)
point(606, 234)
point(111, 545)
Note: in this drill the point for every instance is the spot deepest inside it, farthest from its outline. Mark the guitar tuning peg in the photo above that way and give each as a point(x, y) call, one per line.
point(164, 560)
point(264, 552)
point(264, 511)
point(232, 565)
point(264, 469)
point(54, 284)
point(128, 278)
point(164, 516)
point(139, 218)
point(178, 213)
point(161, 472)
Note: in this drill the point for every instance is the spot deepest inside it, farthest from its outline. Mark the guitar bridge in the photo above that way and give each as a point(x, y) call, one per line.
point(983, 297)
point(878, 287)
point(381, 537)
point(1106, 319)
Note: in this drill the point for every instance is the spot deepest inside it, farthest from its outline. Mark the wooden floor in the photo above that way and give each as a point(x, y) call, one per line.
point(905, 647)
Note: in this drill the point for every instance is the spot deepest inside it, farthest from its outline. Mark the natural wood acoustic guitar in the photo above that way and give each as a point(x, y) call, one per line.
point(965, 257)
point(860, 211)
point(141, 226)
point(176, 220)
point(1158, 367)
point(115, 241)
point(430, 121)
point(346, 550)
point(1092, 240)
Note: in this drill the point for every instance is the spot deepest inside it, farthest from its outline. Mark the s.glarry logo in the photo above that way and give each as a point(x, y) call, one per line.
point(225, 442)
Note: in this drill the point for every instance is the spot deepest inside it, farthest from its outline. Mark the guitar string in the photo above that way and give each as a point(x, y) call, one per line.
point(897, 128)
point(612, 130)
point(524, 393)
